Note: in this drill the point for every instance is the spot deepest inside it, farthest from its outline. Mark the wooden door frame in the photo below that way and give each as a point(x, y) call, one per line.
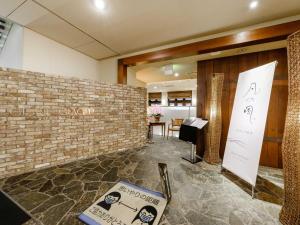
point(241, 39)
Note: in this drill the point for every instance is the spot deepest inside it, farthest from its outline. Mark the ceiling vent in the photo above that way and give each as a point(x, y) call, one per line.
point(168, 70)
point(5, 27)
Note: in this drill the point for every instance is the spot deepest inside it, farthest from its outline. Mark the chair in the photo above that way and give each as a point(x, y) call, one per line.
point(174, 126)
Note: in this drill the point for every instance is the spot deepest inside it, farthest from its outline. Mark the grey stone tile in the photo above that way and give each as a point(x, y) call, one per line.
point(201, 195)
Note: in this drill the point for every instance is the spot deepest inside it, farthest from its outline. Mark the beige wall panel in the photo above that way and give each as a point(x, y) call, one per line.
point(27, 13)
point(130, 25)
point(53, 27)
point(6, 7)
point(53, 4)
point(95, 50)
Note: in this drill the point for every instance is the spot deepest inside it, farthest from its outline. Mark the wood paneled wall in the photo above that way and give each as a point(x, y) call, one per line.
point(231, 67)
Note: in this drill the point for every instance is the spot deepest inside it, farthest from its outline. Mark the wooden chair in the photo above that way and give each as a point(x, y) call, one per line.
point(174, 126)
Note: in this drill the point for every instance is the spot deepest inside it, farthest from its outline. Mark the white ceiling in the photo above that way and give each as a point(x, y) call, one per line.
point(155, 73)
point(127, 26)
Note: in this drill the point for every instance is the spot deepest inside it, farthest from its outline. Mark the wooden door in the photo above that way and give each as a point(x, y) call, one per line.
point(231, 67)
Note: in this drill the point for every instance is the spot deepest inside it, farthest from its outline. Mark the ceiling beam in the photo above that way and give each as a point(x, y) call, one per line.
point(241, 39)
point(122, 72)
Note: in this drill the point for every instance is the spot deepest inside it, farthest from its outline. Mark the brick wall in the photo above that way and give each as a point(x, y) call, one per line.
point(49, 120)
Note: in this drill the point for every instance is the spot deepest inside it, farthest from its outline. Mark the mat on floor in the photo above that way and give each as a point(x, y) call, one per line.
point(10, 213)
point(126, 203)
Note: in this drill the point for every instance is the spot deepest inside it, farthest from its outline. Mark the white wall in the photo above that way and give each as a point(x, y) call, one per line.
point(131, 79)
point(172, 112)
point(12, 53)
point(44, 55)
point(194, 97)
point(164, 98)
point(109, 70)
point(28, 50)
point(109, 73)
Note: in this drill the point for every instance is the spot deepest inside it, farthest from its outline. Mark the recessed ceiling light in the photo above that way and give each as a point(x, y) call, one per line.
point(253, 4)
point(100, 4)
point(176, 74)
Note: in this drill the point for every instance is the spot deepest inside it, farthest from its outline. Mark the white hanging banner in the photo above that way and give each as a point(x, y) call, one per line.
point(248, 120)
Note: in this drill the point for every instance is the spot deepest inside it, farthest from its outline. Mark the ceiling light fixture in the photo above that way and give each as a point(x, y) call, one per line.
point(176, 74)
point(99, 4)
point(253, 4)
point(168, 70)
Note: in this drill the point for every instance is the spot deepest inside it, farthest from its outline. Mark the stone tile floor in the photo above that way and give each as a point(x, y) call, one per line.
point(201, 195)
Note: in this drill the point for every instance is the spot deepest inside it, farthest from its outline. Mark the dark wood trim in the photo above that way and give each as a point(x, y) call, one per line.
point(154, 95)
point(180, 94)
point(250, 37)
point(201, 93)
point(273, 139)
point(242, 39)
point(122, 72)
point(280, 83)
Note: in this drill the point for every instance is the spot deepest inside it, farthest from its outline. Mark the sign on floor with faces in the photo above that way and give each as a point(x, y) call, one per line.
point(126, 204)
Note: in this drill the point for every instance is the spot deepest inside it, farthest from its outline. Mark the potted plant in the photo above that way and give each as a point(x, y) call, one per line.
point(157, 117)
point(156, 113)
